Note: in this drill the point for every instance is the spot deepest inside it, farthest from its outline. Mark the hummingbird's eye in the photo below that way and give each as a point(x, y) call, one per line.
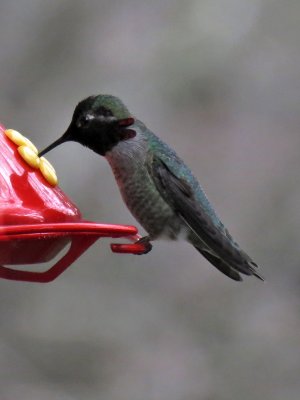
point(84, 121)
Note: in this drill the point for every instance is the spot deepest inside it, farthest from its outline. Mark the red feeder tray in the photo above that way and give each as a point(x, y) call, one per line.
point(38, 220)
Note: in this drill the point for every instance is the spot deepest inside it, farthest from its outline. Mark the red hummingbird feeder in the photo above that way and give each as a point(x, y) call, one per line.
point(37, 219)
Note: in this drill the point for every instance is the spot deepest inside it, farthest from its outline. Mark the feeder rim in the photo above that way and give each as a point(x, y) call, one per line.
point(100, 229)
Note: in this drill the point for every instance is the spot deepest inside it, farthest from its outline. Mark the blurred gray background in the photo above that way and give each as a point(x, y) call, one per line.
point(220, 82)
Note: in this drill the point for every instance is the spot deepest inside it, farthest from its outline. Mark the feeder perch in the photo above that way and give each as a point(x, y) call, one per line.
point(37, 219)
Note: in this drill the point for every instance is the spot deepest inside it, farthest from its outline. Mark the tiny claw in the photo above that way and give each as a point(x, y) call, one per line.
point(145, 241)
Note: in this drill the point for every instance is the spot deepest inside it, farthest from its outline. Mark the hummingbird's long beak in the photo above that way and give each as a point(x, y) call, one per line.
point(64, 138)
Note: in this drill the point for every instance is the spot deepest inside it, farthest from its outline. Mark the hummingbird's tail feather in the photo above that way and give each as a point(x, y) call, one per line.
point(220, 265)
point(231, 271)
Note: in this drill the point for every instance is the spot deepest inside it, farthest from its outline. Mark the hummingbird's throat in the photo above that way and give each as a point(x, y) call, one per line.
point(126, 134)
point(126, 122)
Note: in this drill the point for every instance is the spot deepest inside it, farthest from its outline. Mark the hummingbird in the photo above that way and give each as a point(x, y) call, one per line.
point(156, 185)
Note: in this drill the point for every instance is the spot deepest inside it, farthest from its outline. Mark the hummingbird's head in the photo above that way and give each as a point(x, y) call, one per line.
point(99, 123)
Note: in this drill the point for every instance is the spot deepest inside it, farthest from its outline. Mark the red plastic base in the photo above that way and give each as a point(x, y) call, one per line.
point(18, 241)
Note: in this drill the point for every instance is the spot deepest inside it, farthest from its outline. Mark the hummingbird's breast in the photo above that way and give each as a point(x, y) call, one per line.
point(128, 162)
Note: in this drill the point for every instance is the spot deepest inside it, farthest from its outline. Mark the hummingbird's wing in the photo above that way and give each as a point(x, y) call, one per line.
point(219, 247)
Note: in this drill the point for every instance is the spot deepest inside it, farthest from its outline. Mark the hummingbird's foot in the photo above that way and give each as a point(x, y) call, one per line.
point(145, 241)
